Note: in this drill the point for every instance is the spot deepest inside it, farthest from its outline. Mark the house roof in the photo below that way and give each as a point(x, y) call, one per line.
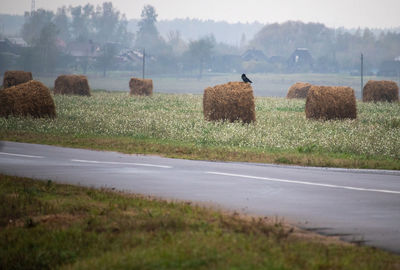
point(301, 55)
point(18, 41)
point(7, 47)
point(255, 55)
point(80, 49)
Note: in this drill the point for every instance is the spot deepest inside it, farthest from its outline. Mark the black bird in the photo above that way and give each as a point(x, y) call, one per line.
point(245, 79)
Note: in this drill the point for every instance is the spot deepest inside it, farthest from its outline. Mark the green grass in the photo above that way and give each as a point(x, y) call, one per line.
point(44, 225)
point(173, 125)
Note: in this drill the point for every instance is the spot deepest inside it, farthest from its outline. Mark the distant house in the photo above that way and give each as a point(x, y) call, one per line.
point(129, 55)
point(254, 55)
point(390, 68)
point(83, 49)
point(300, 60)
point(12, 45)
point(18, 41)
point(6, 46)
point(83, 53)
point(133, 56)
point(9, 54)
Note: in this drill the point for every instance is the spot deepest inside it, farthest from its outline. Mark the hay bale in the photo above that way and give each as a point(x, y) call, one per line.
point(331, 102)
point(381, 91)
point(15, 77)
point(72, 85)
point(298, 90)
point(32, 98)
point(231, 101)
point(141, 87)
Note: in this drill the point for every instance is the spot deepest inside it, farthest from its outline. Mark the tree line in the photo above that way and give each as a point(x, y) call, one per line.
point(333, 50)
point(103, 32)
point(51, 38)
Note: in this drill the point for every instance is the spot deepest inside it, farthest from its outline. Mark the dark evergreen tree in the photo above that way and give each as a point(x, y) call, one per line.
point(34, 23)
point(62, 24)
point(82, 23)
point(147, 36)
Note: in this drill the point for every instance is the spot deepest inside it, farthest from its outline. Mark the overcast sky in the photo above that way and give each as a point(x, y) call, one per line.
point(334, 13)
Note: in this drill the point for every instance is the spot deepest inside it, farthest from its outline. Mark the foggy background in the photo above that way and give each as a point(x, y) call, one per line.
point(338, 13)
point(187, 54)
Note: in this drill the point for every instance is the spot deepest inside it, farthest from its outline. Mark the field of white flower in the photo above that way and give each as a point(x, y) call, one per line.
point(281, 124)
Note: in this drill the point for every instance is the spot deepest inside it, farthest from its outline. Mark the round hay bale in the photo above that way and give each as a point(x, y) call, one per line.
point(141, 87)
point(381, 91)
point(31, 98)
point(231, 101)
point(298, 90)
point(15, 77)
point(331, 102)
point(72, 85)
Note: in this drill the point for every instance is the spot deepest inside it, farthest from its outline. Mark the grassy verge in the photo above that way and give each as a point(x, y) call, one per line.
point(174, 126)
point(46, 226)
point(174, 149)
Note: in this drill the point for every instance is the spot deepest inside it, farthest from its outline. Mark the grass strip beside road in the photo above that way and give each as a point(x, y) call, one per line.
point(174, 149)
point(44, 225)
point(174, 126)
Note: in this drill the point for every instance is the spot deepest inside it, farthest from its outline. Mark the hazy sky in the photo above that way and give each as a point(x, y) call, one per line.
point(334, 13)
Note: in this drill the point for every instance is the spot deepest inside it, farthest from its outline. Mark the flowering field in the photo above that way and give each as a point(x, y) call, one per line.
point(281, 125)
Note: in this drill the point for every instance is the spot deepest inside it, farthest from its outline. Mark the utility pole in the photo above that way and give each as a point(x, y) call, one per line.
point(33, 6)
point(144, 61)
point(362, 75)
point(1, 27)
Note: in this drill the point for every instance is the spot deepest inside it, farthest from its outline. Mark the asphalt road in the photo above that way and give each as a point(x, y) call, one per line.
point(357, 205)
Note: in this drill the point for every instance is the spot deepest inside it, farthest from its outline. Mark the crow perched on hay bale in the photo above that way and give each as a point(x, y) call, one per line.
point(231, 101)
point(381, 91)
point(72, 85)
point(15, 77)
point(298, 90)
point(331, 102)
point(31, 98)
point(141, 87)
point(245, 79)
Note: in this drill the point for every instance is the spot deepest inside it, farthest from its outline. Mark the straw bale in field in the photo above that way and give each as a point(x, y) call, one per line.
point(15, 77)
point(141, 87)
point(298, 90)
point(381, 91)
point(72, 85)
point(231, 101)
point(31, 98)
point(331, 102)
